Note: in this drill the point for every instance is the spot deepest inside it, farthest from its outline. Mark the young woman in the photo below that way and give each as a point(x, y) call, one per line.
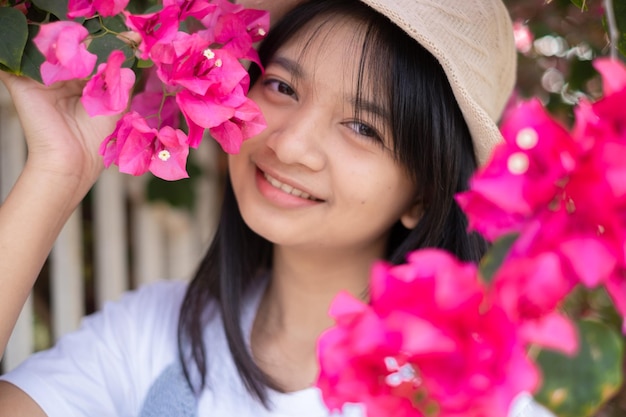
point(378, 112)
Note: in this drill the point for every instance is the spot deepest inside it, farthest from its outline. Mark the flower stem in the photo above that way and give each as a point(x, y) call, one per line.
point(613, 31)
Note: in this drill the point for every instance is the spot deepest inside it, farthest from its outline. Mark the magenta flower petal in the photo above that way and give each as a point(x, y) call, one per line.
point(553, 331)
point(154, 28)
point(613, 74)
point(108, 91)
point(110, 7)
point(80, 8)
point(592, 261)
point(169, 160)
point(67, 58)
point(112, 145)
point(429, 338)
point(523, 174)
point(198, 9)
point(138, 147)
point(228, 135)
point(204, 111)
point(88, 8)
point(531, 287)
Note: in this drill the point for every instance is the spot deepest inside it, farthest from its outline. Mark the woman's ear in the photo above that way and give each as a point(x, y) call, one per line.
point(413, 215)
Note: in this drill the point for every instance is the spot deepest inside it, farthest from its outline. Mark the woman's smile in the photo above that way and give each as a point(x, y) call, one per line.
point(283, 193)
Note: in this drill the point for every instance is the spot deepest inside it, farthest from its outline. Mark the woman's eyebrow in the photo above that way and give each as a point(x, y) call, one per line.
point(375, 109)
point(289, 65)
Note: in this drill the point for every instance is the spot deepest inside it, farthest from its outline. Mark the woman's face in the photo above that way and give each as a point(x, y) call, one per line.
point(317, 178)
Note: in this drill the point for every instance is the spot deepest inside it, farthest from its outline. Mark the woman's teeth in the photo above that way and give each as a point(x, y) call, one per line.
point(288, 188)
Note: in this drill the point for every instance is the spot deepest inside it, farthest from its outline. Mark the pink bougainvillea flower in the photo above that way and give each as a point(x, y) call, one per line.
point(523, 37)
point(170, 156)
point(80, 8)
point(224, 7)
point(198, 9)
point(429, 340)
point(211, 111)
point(138, 149)
point(108, 91)
point(247, 122)
point(523, 173)
point(131, 145)
point(189, 62)
point(157, 103)
point(111, 146)
point(362, 359)
point(613, 74)
point(67, 58)
point(88, 8)
point(530, 289)
point(237, 32)
point(205, 111)
point(154, 28)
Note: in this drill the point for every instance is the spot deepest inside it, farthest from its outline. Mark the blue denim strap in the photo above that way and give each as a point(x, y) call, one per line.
point(170, 396)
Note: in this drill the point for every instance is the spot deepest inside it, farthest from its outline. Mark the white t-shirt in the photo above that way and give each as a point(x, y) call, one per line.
point(106, 368)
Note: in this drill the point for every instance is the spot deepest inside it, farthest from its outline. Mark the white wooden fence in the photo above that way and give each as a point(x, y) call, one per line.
point(165, 242)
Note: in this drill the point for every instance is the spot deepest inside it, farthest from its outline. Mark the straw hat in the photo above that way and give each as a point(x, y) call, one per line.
point(473, 42)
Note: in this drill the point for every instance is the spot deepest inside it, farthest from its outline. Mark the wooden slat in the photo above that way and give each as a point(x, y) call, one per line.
point(67, 286)
point(111, 251)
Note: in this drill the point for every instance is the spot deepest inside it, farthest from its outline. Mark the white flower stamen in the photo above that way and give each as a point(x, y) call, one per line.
point(218, 63)
point(208, 53)
point(527, 138)
point(400, 374)
point(164, 155)
point(518, 163)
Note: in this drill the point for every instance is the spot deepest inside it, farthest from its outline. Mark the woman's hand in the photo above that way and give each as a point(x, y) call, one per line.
point(62, 138)
point(62, 165)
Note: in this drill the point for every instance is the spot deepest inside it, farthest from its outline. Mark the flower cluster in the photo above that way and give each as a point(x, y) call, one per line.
point(194, 72)
point(433, 340)
point(564, 193)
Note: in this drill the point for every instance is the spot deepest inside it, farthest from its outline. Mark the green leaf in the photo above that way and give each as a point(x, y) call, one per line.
point(93, 26)
point(56, 7)
point(115, 24)
point(495, 256)
point(32, 58)
point(14, 33)
point(103, 45)
point(578, 386)
point(581, 4)
point(144, 63)
point(179, 193)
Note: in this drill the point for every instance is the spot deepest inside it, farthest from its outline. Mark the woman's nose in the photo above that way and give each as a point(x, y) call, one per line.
point(298, 138)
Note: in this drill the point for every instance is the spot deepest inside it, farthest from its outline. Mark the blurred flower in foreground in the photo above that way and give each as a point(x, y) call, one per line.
point(563, 192)
point(432, 341)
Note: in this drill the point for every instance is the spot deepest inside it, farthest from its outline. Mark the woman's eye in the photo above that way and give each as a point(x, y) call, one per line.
point(364, 130)
point(280, 87)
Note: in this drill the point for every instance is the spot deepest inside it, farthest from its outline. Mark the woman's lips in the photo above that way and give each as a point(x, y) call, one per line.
point(282, 193)
point(288, 188)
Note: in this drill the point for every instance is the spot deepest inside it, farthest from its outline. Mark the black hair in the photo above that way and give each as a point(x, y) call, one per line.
point(430, 139)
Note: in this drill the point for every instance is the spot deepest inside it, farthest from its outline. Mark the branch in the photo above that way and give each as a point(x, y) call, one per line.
point(613, 31)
